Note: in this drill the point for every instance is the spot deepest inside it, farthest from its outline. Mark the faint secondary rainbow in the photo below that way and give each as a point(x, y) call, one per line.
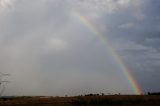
point(134, 85)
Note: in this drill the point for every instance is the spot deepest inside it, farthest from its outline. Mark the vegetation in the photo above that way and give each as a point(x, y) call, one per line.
point(112, 100)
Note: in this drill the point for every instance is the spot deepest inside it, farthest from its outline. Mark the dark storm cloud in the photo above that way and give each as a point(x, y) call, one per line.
point(138, 41)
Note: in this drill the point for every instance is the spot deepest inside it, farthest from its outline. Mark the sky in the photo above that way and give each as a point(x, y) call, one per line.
point(48, 50)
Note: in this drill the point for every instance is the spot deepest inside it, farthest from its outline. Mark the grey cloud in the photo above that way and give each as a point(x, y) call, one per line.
point(48, 51)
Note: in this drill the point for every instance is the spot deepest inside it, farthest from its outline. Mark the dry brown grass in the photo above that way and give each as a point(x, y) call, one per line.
point(116, 100)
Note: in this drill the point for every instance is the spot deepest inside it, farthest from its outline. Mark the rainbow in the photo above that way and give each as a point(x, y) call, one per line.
point(134, 85)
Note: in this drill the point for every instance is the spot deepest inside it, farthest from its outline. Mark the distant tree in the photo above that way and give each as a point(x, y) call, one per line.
point(66, 95)
point(102, 94)
point(2, 87)
point(149, 93)
point(97, 95)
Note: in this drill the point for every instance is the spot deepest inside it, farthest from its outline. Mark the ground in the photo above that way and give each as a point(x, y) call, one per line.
point(112, 100)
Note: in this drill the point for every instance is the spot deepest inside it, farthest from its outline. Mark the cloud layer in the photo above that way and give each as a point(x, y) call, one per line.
point(48, 51)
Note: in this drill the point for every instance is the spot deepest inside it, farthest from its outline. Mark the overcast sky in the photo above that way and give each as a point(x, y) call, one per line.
point(47, 50)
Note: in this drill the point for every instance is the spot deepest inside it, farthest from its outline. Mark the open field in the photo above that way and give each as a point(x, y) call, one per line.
point(115, 100)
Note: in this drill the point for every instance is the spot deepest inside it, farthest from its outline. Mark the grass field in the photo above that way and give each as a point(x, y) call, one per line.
point(114, 100)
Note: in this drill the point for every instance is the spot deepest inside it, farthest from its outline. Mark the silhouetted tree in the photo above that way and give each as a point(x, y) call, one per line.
point(102, 94)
